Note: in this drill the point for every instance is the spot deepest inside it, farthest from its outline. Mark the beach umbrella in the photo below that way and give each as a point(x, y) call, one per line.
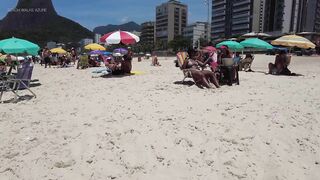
point(121, 51)
point(294, 41)
point(210, 48)
point(231, 45)
point(18, 46)
point(94, 46)
point(256, 43)
point(118, 37)
point(255, 34)
point(96, 52)
point(58, 51)
point(106, 53)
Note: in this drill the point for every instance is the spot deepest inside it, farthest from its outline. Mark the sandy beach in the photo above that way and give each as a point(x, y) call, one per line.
point(150, 126)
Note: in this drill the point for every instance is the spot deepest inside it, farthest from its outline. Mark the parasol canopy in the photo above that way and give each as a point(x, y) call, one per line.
point(18, 46)
point(294, 41)
point(118, 37)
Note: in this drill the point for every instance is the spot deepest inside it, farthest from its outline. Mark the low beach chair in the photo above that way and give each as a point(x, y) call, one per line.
point(228, 72)
point(20, 81)
point(288, 60)
point(83, 62)
point(245, 64)
point(181, 58)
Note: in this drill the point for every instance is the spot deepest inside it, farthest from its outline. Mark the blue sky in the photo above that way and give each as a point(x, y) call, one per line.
point(92, 13)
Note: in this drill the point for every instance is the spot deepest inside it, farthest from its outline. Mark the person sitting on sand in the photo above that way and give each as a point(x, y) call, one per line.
point(114, 66)
point(212, 61)
point(155, 61)
point(280, 66)
point(73, 55)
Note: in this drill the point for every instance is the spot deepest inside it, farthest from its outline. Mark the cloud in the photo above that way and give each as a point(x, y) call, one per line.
point(124, 19)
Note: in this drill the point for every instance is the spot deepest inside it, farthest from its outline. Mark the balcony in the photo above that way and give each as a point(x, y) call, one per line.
point(219, 8)
point(218, 3)
point(247, 8)
point(241, 3)
point(217, 30)
point(240, 27)
point(218, 14)
point(215, 20)
point(242, 15)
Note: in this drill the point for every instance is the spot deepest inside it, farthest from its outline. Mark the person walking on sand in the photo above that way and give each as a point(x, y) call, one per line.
point(46, 57)
point(73, 55)
point(126, 64)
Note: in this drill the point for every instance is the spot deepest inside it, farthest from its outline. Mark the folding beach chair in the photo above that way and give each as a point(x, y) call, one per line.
point(227, 72)
point(181, 58)
point(83, 62)
point(20, 81)
point(245, 64)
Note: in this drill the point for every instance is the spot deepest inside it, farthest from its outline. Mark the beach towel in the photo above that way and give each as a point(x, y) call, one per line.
point(137, 72)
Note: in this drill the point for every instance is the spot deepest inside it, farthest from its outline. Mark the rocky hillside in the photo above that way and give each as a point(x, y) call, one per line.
point(38, 21)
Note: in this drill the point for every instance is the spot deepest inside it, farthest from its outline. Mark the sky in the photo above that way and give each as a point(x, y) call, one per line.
point(93, 13)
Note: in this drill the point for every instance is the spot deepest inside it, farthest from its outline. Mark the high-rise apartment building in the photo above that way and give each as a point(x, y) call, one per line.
point(195, 32)
point(282, 16)
point(171, 19)
point(235, 17)
point(147, 33)
point(276, 17)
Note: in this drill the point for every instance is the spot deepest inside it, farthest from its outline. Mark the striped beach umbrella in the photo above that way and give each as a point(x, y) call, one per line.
point(294, 41)
point(118, 37)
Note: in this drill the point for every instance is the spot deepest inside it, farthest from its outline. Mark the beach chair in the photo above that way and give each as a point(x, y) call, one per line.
point(20, 81)
point(181, 58)
point(245, 64)
point(228, 72)
point(83, 62)
point(288, 60)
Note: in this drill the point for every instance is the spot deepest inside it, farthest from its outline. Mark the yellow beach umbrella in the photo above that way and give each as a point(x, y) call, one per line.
point(94, 47)
point(58, 50)
point(294, 41)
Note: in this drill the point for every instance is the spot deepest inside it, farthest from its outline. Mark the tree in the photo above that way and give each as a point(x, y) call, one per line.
point(180, 43)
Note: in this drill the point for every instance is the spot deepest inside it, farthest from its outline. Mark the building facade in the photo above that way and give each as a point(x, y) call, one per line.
point(85, 41)
point(171, 19)
point(292, 16)
point(148, 33)
point(195, 32)
point(97, 38)
point(235, 17)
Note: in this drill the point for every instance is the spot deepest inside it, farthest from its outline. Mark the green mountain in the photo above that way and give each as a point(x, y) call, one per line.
point(37, 21)
point(129, 26)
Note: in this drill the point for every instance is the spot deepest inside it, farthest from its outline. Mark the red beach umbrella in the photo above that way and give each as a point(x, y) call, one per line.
point(117, 37)
point(210, 49)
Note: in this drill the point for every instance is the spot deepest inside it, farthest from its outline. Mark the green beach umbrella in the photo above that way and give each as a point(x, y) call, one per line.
point(256, 43)
point(18, 46)
point(231, 45)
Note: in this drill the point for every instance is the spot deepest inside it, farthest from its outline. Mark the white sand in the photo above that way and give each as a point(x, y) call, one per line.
point(146, 127)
